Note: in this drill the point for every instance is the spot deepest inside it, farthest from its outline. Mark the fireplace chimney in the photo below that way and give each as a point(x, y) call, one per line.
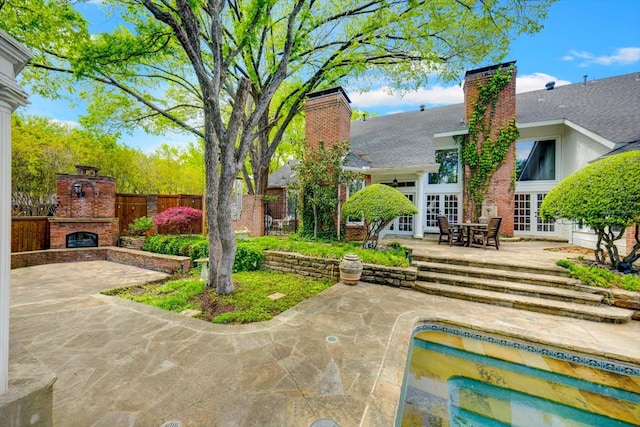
point(328, 117)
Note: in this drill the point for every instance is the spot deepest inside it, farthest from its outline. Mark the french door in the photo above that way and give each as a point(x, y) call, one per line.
point(447, 204)
point(403, 224)
point(526, 219)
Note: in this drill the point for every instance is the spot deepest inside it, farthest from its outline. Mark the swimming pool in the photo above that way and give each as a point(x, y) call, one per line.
point(457, 377)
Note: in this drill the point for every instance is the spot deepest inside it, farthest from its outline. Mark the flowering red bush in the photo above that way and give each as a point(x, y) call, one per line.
point(179, 220)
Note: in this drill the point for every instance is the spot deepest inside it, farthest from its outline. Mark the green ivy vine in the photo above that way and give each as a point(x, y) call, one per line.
point(486, 157)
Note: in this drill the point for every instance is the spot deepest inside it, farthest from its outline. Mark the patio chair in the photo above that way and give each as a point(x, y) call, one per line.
point(482, 236)
point(453, 234)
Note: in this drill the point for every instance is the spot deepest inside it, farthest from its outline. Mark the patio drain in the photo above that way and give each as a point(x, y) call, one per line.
point(332, 339)
point(172, 424)
point(324, 422)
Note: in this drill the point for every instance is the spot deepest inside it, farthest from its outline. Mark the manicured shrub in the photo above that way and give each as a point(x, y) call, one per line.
point(604, 195)
point(378, 205)
point(179, 219)
point(249, 257)
point(182, 245)
point(199, 249)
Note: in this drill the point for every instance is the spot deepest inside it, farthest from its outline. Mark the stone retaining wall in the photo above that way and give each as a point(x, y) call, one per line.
point(165, 263)
point(328, 269)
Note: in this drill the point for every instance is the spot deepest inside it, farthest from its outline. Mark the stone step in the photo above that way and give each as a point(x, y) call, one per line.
point(509, 287)
point(558, 308)
point(542, 279)
point(522, 267)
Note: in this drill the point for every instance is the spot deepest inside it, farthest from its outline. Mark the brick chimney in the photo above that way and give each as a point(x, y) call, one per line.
point(501, 192)
point(328, 117)
point(86, 212)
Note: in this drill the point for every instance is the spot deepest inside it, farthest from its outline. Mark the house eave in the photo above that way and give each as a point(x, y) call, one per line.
point(386, 170)
point(607, 143)
point(451, 134)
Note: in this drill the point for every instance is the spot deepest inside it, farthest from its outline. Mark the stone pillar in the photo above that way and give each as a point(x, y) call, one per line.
point(13, 57)
point(418, 219)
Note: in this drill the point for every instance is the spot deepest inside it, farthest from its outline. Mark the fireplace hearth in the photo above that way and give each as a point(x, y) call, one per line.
point(82, 239)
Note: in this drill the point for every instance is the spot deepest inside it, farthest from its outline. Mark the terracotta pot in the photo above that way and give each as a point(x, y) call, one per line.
point(350, 269)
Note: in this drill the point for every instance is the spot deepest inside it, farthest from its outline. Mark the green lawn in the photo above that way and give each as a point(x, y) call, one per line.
point(249, 303)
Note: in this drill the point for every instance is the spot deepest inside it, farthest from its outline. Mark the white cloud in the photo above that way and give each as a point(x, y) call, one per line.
point(536, 81)
point(385, 97)
point(72, 124)
point(621, 56)
point(438, 95)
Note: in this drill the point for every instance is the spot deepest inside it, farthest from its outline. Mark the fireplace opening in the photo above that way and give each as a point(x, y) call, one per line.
point(82, 239)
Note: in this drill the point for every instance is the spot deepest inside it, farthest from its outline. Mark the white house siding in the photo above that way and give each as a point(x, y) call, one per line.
point(578, 150)
point(588, 239)
point(575, 150)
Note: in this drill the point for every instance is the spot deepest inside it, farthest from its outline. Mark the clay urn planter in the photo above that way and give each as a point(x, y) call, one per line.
point(350, 269)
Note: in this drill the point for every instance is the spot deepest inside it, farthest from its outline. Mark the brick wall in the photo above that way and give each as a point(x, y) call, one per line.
point(328, 269)
point(99, 199)
point(106, 228)
point(93, 212)
point(328, 118)
point(165, 263)
point(630, 235)
point(501, 190)
point(252, 215)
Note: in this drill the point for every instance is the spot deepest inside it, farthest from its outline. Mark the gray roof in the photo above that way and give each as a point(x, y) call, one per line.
point(284, 176)
point(608, 107)
point(403, 139)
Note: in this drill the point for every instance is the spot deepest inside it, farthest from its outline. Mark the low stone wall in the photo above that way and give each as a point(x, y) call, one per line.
point(165, 263)
point(54, 256)
point(391, 276)
point(328, 269)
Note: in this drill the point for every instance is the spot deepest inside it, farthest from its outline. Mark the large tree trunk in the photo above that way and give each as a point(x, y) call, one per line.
point(227, 235)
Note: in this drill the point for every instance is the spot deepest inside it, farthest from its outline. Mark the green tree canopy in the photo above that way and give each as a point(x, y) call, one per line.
point(378, 204)
point(42, 148)
point(604, 195)
point(213, 67)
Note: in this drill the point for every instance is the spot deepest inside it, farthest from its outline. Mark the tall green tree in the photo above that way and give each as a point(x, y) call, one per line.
point(212, 67)
point(320, 173)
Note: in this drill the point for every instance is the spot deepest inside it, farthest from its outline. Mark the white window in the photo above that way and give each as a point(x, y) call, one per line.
point(448, 172)
point(536, 160)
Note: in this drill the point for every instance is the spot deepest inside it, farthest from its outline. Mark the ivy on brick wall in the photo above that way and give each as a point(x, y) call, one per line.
point(484, 158)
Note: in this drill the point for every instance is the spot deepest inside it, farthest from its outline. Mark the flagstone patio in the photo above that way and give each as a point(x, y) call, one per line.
point(338, 356)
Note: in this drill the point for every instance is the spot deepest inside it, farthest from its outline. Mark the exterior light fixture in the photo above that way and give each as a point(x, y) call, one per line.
point(395, 182)
point(77, 188)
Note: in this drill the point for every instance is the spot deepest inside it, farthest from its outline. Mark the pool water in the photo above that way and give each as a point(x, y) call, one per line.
point(456, 377)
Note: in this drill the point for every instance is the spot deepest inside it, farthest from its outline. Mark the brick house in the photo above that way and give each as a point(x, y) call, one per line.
point(562, 129)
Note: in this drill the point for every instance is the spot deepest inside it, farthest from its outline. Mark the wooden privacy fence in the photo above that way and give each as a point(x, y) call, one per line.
point(132, 206)
point(29, 233)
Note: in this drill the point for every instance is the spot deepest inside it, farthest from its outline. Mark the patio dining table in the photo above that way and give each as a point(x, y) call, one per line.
point(466, 227)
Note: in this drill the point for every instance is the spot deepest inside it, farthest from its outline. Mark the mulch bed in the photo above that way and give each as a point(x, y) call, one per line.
point(211, 308)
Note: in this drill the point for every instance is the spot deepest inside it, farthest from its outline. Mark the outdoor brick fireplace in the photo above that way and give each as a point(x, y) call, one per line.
point(86, 213)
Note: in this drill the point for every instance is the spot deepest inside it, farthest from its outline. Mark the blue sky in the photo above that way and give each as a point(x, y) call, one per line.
point(596, 38)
